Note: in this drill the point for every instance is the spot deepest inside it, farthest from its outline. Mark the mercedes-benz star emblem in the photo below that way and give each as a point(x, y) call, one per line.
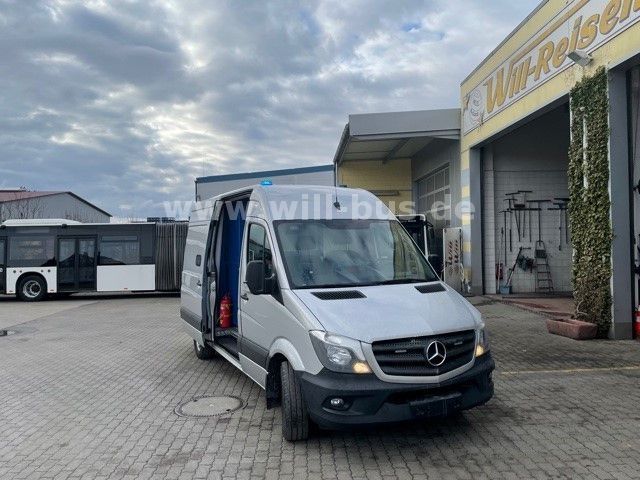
point(436, 353)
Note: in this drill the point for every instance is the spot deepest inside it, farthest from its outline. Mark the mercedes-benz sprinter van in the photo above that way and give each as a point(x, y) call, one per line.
point(321, 297)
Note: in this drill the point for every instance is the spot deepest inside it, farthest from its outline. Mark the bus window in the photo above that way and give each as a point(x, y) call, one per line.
point(31, 252)
point(119, 250)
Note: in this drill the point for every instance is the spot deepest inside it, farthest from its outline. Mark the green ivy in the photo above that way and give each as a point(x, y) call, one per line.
point(589, 209)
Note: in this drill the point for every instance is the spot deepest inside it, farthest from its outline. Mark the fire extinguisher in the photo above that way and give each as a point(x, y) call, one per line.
point(225, 312)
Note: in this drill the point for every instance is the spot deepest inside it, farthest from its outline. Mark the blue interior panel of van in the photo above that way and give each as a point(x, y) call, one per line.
point(229, 277)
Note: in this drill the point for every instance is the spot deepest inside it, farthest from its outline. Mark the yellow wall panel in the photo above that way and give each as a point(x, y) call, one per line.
point(394, 175)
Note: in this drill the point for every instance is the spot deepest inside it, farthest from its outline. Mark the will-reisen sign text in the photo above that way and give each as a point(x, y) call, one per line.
point(582, 25)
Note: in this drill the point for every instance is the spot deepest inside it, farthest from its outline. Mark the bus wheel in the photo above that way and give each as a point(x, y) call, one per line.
point(295, 419)
point(32, 288)
point(203, 353)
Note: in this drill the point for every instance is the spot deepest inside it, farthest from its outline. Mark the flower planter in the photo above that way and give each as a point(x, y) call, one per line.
point(572, 328)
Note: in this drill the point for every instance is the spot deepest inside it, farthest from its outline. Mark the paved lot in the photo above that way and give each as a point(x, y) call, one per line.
point(89, 392)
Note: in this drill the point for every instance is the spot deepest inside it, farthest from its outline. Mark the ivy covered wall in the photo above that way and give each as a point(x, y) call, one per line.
point(589, 209)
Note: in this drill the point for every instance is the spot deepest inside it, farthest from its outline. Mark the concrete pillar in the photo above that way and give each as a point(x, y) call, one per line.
point(475, 192)
point(490, 239)
point(620, 192)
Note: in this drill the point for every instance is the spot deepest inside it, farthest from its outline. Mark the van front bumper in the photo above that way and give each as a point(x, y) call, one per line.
point(370, 401)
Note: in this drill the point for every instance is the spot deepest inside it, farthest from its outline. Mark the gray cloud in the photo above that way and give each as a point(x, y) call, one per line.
point(126, 103)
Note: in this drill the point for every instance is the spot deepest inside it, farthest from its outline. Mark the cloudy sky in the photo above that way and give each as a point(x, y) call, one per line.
point(126, 102)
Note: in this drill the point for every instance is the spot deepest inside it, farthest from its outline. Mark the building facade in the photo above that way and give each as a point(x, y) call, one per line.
point(208, 187)
point(19, 204)
point(516, 136)
point(519, 134)
point(410, 160)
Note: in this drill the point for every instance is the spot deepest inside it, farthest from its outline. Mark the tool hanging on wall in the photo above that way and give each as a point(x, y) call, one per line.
point(515, 264)
point(504, 214)
point(565, 201)
point(527, 213)
point(514, 209)
point(499, 263)
point(531, 210)
point(561, 208)
point(503, 248)
point(522, 208)
point(525, 263)
point(538, 208)
point(509, 210)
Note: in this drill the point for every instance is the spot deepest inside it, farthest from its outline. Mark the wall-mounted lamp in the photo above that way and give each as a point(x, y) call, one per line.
point(580, 58)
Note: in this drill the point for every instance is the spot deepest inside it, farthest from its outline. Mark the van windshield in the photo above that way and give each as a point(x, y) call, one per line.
point(349, 253)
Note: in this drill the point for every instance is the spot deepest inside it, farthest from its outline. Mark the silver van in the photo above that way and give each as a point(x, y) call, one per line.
point(329, 305)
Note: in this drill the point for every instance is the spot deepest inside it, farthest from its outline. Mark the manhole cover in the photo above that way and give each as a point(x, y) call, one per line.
point(208, 406)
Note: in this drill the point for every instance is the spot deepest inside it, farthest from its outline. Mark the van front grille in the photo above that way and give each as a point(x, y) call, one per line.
point(408, 356)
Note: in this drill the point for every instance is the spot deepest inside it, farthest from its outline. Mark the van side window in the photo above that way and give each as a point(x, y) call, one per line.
point(258, 247)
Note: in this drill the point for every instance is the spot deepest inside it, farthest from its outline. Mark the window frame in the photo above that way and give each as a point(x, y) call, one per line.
point(265, 240)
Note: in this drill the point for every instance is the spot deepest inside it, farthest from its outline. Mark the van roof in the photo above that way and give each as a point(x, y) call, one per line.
point(314, 202)
point(302, 202)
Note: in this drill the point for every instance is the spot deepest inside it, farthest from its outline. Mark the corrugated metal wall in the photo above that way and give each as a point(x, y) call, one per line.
point(171, 239)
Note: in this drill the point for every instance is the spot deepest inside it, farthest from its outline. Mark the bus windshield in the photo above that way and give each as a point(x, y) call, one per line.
point(349, 253)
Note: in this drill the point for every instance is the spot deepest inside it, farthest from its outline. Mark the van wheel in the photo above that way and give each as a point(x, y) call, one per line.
point(203, 353)
point(32, 288)
point(295, 418)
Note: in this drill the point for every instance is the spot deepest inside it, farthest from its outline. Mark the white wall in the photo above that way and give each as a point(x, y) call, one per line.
point(206, 190)
point(534, 157)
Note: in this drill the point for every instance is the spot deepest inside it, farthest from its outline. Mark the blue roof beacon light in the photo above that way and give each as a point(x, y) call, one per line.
point(266, 183)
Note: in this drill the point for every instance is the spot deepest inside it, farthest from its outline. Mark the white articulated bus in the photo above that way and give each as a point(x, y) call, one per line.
point(56, 256)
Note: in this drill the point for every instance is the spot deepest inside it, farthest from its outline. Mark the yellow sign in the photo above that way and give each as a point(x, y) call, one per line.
point(583, 25)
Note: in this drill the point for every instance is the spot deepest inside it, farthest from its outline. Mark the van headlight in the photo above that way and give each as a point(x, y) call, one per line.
point(339, 354)
point(482, 344)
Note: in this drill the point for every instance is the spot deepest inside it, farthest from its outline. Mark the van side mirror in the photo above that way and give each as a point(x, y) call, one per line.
point(257, 280)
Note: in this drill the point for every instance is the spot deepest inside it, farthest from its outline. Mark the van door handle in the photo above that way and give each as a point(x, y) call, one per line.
point(199, 283)
point(244, 296)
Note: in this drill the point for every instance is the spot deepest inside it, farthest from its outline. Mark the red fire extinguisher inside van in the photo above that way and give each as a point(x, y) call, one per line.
point(225, 312)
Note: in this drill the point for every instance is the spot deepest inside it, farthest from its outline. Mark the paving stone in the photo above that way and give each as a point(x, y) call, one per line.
point(89, 392)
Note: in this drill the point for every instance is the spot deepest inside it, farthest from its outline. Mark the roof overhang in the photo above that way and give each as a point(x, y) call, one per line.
point(385, 136)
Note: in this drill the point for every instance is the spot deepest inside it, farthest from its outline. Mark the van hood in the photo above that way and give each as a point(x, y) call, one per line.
point(392, 311)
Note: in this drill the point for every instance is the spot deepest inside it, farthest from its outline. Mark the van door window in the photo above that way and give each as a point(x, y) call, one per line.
point(258, 247)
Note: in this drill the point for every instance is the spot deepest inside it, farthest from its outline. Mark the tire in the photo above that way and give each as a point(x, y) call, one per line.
point(203, 353)
point(295, 418)
point(32, 288)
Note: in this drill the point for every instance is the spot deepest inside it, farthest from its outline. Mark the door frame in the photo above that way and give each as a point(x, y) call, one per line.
point(210, 273)
point(76, 263)
point(3, 266)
